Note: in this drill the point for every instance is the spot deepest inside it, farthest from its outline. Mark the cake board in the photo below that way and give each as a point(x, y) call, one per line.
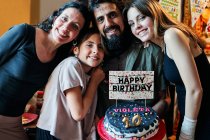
point(161, 135)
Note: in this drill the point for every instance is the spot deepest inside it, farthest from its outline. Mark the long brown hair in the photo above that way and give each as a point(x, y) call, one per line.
point(162, 21)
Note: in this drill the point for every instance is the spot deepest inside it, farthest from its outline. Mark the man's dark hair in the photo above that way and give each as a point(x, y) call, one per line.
point(94, 4)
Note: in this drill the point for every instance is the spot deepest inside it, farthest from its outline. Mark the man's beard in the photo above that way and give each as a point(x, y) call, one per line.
point(115, 43)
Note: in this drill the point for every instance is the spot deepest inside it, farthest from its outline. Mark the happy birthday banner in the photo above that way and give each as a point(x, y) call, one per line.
point(129, 85)
point(197, 7)
point(172, 7)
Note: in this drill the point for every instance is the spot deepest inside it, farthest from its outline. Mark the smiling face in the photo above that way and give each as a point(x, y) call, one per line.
point(90, 52)
point(67, 26)
point(141, 26)
point(109, 20)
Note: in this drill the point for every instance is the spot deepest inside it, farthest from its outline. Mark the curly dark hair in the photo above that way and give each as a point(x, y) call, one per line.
point(46, 25)
point(94, 4)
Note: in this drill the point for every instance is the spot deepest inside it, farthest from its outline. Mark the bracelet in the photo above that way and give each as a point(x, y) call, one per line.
point(188, 126)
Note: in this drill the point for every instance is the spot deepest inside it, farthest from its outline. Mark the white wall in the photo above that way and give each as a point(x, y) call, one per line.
point(48, 6)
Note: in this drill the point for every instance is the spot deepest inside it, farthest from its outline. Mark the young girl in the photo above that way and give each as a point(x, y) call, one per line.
point(185, 64)
point(70, 94)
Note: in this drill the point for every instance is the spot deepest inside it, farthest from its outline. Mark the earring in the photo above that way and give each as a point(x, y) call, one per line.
point(74, 43)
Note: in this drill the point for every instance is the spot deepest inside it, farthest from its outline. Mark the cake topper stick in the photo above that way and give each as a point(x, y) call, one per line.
point(145, 102)
point(116, 102)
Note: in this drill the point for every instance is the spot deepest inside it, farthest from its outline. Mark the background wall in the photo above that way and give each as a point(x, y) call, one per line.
point(48, 6)
point(25, 11)
point(16, 12)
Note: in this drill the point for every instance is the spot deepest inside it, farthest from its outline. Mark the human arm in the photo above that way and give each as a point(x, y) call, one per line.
point(178, 48)
point(79, 104)
point(162, 98)
point(10, 41)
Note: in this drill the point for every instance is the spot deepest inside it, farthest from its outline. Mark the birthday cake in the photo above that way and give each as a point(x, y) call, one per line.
point(127, 121)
